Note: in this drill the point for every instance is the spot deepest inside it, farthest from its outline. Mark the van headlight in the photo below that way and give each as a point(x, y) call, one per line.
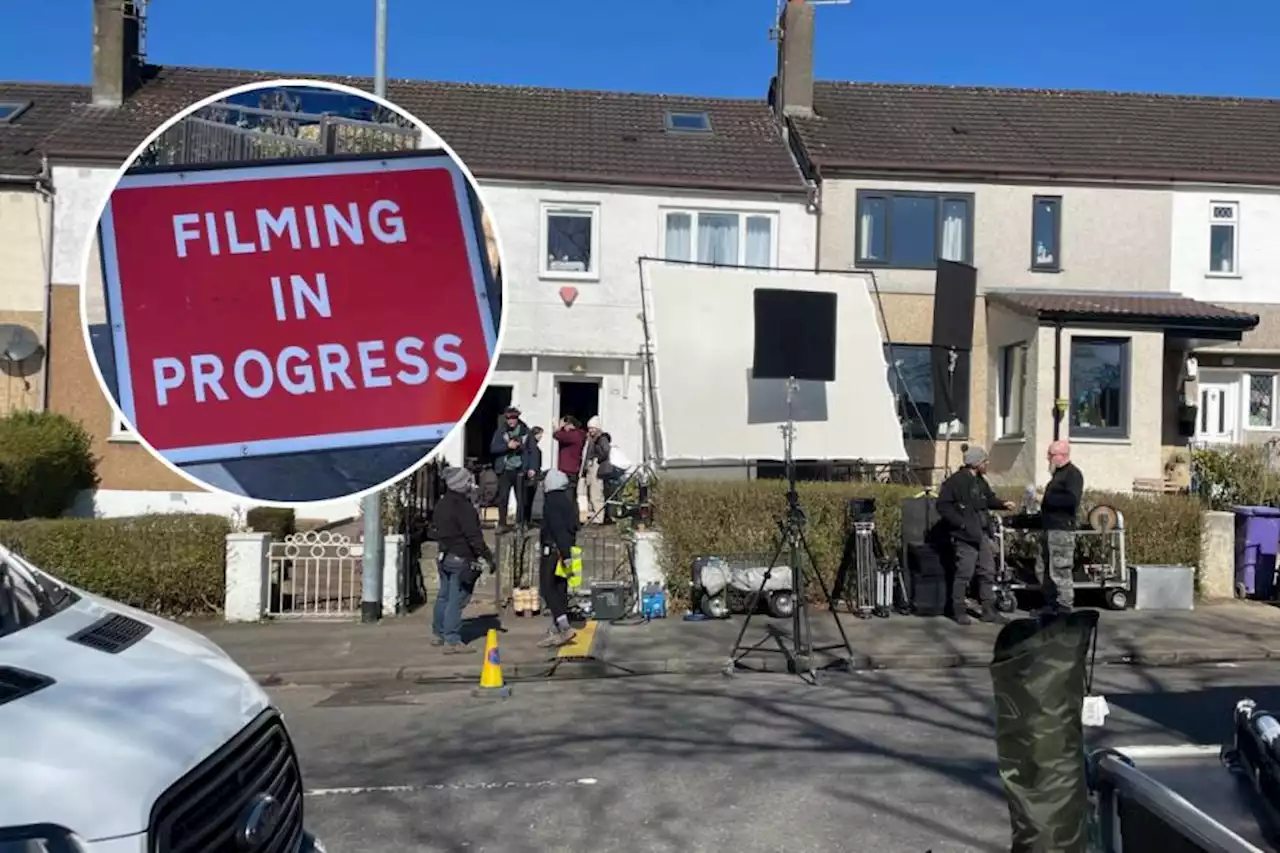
point(39, 838)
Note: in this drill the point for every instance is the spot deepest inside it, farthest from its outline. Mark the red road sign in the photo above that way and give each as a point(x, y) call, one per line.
point(260, 310)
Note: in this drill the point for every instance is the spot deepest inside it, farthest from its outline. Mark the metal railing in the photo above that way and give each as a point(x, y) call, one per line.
point(314, 574)
point(228, 133)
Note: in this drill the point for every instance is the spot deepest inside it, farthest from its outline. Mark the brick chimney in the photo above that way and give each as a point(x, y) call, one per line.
point(117, 60)
point(794, 90)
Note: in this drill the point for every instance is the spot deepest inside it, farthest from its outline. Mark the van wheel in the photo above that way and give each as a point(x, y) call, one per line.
point(782, 605)
point(715, 607)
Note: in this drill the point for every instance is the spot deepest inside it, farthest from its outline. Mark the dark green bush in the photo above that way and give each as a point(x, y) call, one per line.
point(1236, 475)
point(46, 459)
point(278, 521)
point(739, 518)
point(170, 565)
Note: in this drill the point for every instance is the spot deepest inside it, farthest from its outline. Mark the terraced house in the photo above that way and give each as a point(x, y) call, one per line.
point(1124, 252)
point(581, 184)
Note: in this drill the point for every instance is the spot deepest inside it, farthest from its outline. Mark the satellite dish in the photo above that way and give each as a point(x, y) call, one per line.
point(17, 343)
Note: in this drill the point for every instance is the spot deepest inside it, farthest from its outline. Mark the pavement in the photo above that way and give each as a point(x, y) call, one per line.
point(398, 649)
point(892, 761)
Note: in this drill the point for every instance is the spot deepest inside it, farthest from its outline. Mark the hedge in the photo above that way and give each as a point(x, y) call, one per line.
point(280, 522)
point(46, 459)
point(169, 565)
point(729, 519)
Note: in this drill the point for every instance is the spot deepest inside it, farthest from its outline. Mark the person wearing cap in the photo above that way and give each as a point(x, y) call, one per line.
point(455, 524)
point(965, 502)
point(595, 466)
point(509, 454)
point(559, 534)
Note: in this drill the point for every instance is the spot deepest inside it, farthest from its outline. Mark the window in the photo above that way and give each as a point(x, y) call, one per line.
point(1261, 388)
point(120, 429)
point(570, 237)
point(1099, 404)
point(1046, 233)
point(688, 122)
point(912, 381)
point(10, 110)
point(914, 230)
point(728, 239)
point(1013, 389)
point(1224, 218)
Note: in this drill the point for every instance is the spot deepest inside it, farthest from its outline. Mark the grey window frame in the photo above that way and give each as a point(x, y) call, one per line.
point(668, 121)
point(1056, 266)
point(19, 107)
point(940, 199)
point(1126, 388)
point(962, 390)
point(1002, 412)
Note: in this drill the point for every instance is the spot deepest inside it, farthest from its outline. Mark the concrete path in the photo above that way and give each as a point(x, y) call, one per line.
point(895, 762)
point(399, 648)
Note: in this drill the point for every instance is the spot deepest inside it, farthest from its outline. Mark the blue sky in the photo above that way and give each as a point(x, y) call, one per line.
point(713, 47)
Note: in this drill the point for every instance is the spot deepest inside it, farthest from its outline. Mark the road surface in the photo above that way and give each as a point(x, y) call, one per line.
point(887, 762)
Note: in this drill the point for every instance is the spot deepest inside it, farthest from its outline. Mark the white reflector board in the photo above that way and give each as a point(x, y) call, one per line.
point(709, 408)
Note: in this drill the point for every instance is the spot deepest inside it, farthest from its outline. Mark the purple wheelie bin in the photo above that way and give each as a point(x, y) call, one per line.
point(1257, 540)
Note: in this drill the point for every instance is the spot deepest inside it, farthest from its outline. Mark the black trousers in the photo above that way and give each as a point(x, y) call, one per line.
point(974, 560)
point(508, 482)
point(528, 489)
point(554, 589)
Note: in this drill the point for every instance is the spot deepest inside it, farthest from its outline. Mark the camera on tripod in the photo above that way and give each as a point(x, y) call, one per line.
point(869, 580)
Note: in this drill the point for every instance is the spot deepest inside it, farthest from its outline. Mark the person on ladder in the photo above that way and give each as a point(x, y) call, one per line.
point(559, 533)
point(965, 503)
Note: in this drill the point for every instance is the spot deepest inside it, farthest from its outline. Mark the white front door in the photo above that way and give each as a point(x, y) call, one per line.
point(1219, 416)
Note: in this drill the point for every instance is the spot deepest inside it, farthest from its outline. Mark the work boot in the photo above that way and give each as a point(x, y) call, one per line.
point(457, 649)
point(437, 641)
point(557, 637)
point(961, 616)
point(994, 617)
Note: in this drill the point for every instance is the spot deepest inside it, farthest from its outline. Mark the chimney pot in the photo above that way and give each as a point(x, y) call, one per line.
point(117, 63)
point(794, 90)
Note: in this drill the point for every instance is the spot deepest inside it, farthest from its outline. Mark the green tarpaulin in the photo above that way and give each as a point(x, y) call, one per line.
point(1039, 673)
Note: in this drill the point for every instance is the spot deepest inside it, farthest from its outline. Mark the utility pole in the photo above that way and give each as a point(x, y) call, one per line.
point(371, 597)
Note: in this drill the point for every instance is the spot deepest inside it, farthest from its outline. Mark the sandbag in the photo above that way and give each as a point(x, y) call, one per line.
point(1039, 674)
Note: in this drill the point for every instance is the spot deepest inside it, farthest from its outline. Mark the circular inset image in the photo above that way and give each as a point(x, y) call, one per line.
point(301, 292)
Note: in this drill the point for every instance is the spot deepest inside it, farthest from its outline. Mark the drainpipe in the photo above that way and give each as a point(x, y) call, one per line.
point(1057, 380)
point(46, 174)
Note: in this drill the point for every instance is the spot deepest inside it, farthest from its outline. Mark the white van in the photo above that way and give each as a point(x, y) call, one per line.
point(124, 733)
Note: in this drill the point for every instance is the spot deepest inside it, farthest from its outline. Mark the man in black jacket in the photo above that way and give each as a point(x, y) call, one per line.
point(559, 534)
point(455, 525)
point(532, 470)
point(1059, 511)
point(965, 502)
point(508, 449)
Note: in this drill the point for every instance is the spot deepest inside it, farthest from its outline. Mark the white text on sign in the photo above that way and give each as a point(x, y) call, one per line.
point(297, 370)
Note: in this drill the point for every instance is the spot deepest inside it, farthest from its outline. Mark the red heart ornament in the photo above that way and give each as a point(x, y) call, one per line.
point(568, 293)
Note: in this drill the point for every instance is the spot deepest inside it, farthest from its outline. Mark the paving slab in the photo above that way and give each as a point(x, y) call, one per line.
point(339, 652)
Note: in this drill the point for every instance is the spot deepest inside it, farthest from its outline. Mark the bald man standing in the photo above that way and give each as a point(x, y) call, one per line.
point(1059, 515)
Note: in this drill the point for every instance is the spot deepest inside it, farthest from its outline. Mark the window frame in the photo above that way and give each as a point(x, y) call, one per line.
point(669, 122)
point(1120, 433)
point(939, 198)
point(1003, 385)
point(963, 388)
point(590, 210)
point(1056, 202)
point(120, 431)
point(743, 215)
point(18, 108)
point(1234, 225)
point(1246, 380)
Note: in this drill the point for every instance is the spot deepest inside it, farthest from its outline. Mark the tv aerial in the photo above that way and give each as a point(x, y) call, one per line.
point(17, 343)
point(775, 32)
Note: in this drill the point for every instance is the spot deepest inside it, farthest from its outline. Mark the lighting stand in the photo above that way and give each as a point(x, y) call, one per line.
point(800, 653)
point(952, 358)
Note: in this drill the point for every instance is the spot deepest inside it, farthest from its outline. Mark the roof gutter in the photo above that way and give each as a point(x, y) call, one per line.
point(1013, 170)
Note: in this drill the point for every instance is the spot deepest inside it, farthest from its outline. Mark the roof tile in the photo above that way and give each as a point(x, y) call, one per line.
point(1042, 132)
point(1133, 306)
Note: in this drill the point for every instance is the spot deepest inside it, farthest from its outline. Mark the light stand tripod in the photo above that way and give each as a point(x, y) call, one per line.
point(791, 527)
point(952, 358)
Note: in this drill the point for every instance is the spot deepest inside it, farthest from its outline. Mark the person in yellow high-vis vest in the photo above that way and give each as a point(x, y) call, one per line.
point(558, 539)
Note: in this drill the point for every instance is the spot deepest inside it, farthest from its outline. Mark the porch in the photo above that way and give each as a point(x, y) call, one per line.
point(1117, 375)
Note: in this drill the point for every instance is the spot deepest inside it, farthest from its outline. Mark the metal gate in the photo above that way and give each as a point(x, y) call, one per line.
point(315, 573)
point(407, 508)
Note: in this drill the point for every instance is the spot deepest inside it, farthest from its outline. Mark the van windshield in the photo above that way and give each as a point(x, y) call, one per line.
point(28, 595)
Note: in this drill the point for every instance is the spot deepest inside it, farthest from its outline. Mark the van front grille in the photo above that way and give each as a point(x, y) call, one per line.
point(207, 810)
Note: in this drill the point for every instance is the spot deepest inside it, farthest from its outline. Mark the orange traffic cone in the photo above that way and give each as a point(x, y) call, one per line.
point(491, 683)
